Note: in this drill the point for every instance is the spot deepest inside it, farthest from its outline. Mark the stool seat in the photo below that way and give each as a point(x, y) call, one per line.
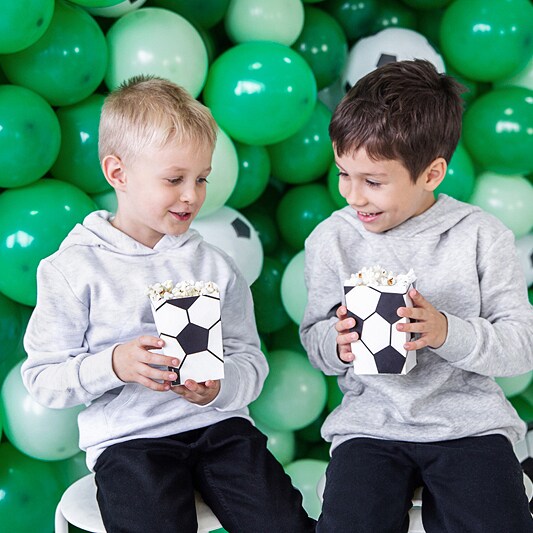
point(78, 506)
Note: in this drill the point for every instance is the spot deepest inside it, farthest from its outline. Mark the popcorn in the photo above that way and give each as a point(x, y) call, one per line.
point(376, 276)
point(166, 290)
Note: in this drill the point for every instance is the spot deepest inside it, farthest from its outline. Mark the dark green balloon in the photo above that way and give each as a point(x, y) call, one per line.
point(30, 136)
point(335, 395)
point(429, 22)
point(311, 432)
point(394, 14)
point(284, 252)
point(301, 209)
point(78, 161)
point(333, 187)
point(33, 221)
point(460, 177)
point(472, 87)
point(204, 13)
point(67, 63)
point(265, 226)
point(306, 155)
point(530, 295)
point(497, 130)
point(427, 4)
point(11, 326)
point(522, 407)
point(323, 44)
point(487, 40)
point(355, 16)
point(287, 338)
point(252, 180)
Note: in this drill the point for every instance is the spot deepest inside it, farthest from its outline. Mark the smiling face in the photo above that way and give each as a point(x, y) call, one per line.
point(382, 192)
point(160, 192)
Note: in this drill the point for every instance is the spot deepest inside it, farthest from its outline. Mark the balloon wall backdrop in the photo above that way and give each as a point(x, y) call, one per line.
point(271, 71)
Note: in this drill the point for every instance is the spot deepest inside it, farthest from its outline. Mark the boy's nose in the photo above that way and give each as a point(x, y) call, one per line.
point(188, 195)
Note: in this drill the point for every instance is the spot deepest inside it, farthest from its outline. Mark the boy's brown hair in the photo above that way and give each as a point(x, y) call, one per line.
point(405, 111)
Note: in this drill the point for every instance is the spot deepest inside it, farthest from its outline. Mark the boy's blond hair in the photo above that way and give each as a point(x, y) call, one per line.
point(147, 111)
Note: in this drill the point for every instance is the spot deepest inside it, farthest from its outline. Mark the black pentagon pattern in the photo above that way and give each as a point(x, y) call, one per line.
point(358, 323)
point(241, 228)
point(386, 58)
point(388, 305)
point(193, 338)
point(389, 361)
point(183, 303)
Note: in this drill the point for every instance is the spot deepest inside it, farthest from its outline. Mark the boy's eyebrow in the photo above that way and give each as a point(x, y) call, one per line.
point(183, 169)
point(380, 174)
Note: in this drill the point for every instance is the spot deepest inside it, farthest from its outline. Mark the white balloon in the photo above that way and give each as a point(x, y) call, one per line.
point(117, 10)
point(524, 247)
point(230, 231)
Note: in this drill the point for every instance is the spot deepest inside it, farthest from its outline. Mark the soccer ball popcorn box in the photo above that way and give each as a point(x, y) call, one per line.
point(372, 297)
point(187, 318)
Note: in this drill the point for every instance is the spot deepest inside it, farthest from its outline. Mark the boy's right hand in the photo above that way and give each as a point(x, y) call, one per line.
point(132, 363)
point(345, 337)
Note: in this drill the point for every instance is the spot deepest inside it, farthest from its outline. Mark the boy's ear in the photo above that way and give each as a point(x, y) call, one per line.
point(114, 172)
point(434, 174)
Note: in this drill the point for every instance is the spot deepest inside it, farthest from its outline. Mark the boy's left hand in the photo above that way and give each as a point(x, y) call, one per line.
point(198, 393)
point(431, 324)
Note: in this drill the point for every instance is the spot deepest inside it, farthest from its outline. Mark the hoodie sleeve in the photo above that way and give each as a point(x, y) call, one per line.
point(498, 342)
point(59, 371)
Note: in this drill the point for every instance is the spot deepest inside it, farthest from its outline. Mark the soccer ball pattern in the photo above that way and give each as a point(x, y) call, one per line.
point(379, 349)
point(192, 332)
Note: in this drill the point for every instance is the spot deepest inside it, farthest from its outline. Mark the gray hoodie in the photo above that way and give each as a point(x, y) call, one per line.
point(92, 296)
point(466, 266)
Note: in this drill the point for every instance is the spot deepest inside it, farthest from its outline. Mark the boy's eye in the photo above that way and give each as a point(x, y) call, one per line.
point(173, 181)
point(373, 183)
point(341, 174)
point(202, 180)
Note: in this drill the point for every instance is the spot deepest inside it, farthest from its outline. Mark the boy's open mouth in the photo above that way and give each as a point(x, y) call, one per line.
point(180, 215)
point(367, 217)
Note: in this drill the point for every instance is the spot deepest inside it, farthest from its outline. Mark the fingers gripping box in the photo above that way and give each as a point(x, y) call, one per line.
point(187, 318)
point(372, 297)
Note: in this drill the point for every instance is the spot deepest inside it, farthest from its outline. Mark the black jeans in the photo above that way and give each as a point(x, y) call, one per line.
point(471, 485)
point(146, 485)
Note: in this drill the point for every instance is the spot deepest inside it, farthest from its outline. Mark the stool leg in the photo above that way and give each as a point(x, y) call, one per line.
point(61, 524)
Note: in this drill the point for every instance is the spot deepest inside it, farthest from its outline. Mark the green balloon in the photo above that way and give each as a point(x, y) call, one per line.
point(252, 179)
point(265, 226)
point(29, 136)
point(335, 395)
point(306, 155)
point(106, 200)
point(311, 432)
point(33, 221)
point(514, 385)
point(319, 451)
point(30, 492)
point(23, 22)
point(78, 161)
point(305, 475)
point(293, 289)
point(394, 14)
point(473, 88)
point(287, 338)
point(333, 187)
point(260, 92)
point(269, 313)
point(282, 444)
point(524, 78)
point(96, 3)
point(294, 393)
point(355, 16)
point(284, 252)
point(460, 177)
point(205, 14)
point(67, 63)
point(11, 327)
point(301, 209)
point(523, 408)
point(429, 22)
point(487, 40)
point(426, 4)
point(70, 470)
point(530, 295)
point(498, 132)
point(507, 197)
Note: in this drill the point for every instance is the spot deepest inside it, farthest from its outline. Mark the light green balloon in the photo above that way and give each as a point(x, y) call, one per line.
point(514, 385)
point(280, 21)
point(223, 176)
point(282, 444)
point(305, 475)
point(507, 197)
point(524, 78)
point(40, 432)
point(159, 42)
point(106, 200)
point(293, 289)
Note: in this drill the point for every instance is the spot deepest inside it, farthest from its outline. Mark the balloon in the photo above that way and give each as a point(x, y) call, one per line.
point(335, 395)
point(96, 3)
point(487, 41)
point(524, 247)
point(264, 225)
point(429, 22)
point(306, 155)
point(106, 200)
point(282, 444)
point(29, 492)
point(78, 162)
point(37, 431)
point(280, 21)
point(311, 432)
point(394, 14)
point(294, 393)
point(30, 136)
point(293, 289)
point(498, 132)
point(305, 475)
point(523, 78)
point(159, 42)
point(522, 407)
point(23, 22)
point(426, 4)
point(231, 232)
point(11, 328)
point(323, 45)
point(331, 95)
point(472, 87)
point(284, 253)
point(508, 197)
point(204, 14)
point(460, 178)
point(70, 470)
point(223, 176)
point(301, 209)
point(268, 308)
point(260, 92)
point(252, 179)
point(33, 221)
point(514, 385)
point(67, 63)
point(355, 16)
point(287, 338)
point(118, 9)
point(333, 186)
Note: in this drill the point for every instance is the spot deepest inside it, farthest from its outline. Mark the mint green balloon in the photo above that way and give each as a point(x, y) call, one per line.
point(293, 289)
point(33, 221)
point(22, 22)
point(305, 475)
point(260, 92)
point(294, 393)
point(77, 161)
point(205, 14)
point(507, 197)
point(40, 432)
point(355, 16)
point(67, 63)
point(106, 200)
point(29, 136)
point(282, 444)
point(515, 385)
point(333, 186)
point(306, 155)
point(159, 42)
point(460, 178)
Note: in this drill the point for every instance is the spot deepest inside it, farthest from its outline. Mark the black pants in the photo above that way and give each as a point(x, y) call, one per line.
point(146, 485)
point(471, 485)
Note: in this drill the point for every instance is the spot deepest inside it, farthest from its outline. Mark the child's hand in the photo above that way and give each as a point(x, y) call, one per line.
point(344, 336)
point(430, 323)
point(132, 360)
point(198, 393)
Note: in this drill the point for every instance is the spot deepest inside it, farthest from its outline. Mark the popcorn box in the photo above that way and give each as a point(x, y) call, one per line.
point(379, 349)
point(192, 331)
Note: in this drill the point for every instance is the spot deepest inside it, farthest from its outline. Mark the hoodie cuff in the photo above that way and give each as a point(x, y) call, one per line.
point(228, 388)
point(96, 372)
point(460, 341)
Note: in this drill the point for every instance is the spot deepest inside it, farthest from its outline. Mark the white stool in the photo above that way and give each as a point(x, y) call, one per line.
point(78, 507)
